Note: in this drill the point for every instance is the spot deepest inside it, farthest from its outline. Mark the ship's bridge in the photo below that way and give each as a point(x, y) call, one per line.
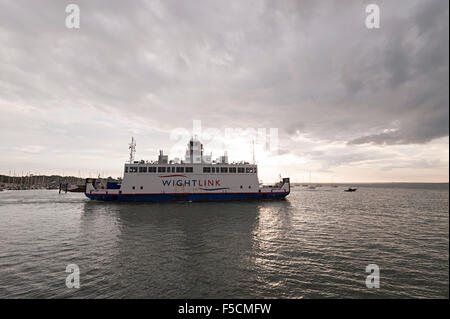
point(195, 162)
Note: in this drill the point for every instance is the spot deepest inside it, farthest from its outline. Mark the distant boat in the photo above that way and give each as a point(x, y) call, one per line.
point(310, 186)
point(350, 189)
point(76, 188)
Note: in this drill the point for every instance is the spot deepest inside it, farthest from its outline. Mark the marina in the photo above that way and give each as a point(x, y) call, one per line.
point(39, 182)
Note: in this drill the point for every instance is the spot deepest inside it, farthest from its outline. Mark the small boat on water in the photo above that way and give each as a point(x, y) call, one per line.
point(66, 187)
point(76, 188)
point(350, 189)
point(310, 186)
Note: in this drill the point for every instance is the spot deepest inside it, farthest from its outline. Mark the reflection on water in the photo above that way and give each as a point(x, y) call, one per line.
point(173, 249)
point(314, 244)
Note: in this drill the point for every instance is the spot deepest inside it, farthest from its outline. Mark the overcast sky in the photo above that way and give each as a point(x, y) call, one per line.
point(350, 103)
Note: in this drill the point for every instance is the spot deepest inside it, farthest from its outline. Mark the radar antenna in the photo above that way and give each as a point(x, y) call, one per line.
point(132, 147)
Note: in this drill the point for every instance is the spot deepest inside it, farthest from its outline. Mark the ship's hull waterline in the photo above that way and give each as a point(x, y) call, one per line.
point(187, 197)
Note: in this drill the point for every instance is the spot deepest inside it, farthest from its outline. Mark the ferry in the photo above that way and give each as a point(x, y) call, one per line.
point(196, 178)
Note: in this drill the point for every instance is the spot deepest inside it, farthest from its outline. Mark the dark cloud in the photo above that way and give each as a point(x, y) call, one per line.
point(308, 68)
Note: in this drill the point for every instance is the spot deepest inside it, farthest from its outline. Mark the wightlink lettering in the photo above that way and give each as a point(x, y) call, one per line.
point(191, 182)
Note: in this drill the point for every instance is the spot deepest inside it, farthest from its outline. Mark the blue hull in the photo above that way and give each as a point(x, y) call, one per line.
point(186, 197)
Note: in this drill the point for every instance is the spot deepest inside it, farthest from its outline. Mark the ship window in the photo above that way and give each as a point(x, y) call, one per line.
point(142, 187)
point(224, 169)
point(133, 169)
point(168, 169)
point(189, 169)
point(180, 169)
point(232, 170)
point(249, 170)
point(134, 187)
point(126, 169)
point(173, 169)
point(207, 169)
point(143, 169)
point(213, 169)
point(241, 170)
point(254, 169)
point(249, 187)
point(152, 169)
point(241, 186)
point(161, 169)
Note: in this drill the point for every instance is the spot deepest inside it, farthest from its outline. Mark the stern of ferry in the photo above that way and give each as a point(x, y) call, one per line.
point(277, 191)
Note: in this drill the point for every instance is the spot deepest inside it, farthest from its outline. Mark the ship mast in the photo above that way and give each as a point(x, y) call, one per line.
point(253, 151)
point(132, 147)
